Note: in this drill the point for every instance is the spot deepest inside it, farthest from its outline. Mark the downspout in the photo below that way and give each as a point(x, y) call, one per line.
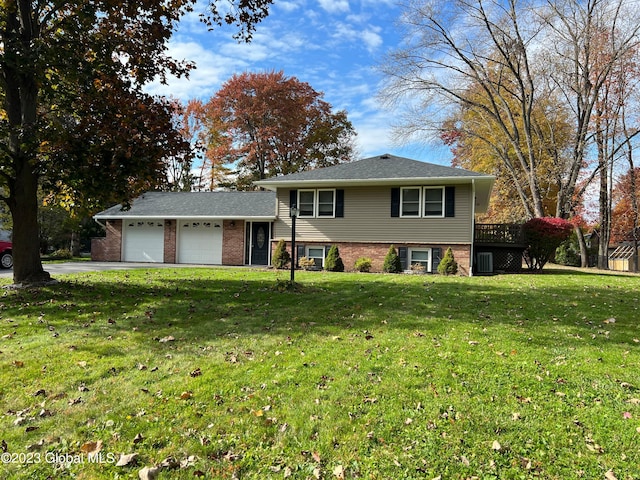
point(473, 225)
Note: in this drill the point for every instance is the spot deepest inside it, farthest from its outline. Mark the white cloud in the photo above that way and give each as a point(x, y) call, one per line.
point(334, 6)
point(212, 69)
point(371, 38)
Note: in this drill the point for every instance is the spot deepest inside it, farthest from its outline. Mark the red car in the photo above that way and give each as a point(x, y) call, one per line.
point(6, 254)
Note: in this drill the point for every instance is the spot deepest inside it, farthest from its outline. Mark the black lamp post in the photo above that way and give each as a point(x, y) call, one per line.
point(293, 211)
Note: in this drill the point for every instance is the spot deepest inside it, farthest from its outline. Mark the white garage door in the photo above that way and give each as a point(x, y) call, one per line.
point(200, 242)
point(143, 241)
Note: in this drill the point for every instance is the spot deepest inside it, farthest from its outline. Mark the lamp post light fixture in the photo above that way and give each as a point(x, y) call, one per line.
point(294, 211)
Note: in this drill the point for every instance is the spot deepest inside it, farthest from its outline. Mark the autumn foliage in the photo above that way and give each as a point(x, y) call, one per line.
point(266, 124)
point(543, 236)
point(74, 116)
point(624, 216)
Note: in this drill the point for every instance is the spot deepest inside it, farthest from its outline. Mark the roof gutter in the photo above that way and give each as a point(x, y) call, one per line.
point(97, 218)
point(372, 181)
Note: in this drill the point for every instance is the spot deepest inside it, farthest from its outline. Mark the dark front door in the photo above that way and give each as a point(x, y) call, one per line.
point(259, 243)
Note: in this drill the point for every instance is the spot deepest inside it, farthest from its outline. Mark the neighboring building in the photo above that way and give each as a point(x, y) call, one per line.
point(363, 207)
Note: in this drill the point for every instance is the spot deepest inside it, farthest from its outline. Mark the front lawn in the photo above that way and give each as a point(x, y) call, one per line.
point(225, 373)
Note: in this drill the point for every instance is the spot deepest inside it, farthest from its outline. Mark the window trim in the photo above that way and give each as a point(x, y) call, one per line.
point(429, 260)
point(313, 207)
point(402, 190)
point(316, 202)
point(442, 201)
point(333, 202)
point(318, 247)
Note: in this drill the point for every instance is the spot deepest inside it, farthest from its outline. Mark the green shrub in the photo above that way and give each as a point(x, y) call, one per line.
point(333, 262)
point(568, 253)
point(281, 257)
point(63, 254)
point(363, 264)
point(448, 264)
point(392, 262)
point(307, 263)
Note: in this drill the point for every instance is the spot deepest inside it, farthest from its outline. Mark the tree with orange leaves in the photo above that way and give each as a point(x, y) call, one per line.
point(266, 124)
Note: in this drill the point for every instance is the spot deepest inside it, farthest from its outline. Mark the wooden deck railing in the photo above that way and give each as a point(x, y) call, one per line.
point(504, 233)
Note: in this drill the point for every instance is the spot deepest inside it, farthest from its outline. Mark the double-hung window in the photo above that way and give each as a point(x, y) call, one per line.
point(326, 203)
point(420, 257)
point(410, 202)
point(433, 202)
point(317, 255)
point(307, 203)
point(317, 203)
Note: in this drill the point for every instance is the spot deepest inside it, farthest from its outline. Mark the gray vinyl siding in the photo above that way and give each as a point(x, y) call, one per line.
point(367, 218)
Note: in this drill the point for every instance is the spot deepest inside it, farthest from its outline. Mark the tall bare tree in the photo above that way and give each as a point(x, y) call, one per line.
point(514, 55)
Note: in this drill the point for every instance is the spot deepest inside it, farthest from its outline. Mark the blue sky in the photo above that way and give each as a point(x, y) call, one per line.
point(334, 45)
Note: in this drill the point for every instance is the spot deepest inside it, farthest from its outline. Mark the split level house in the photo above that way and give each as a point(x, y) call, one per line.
point(362, 207)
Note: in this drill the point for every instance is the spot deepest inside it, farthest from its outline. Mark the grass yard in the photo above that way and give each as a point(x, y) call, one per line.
point(221, 373)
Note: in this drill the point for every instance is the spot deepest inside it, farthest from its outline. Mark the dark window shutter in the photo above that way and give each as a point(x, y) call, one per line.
point(293, 199)
point(436, 256)
point(449, 201)
point(339, 203)
point(299, 253)
point(395, 202)
point(326, 250)
point(403, 254)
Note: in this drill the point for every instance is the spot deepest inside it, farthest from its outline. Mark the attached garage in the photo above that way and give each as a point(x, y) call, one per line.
point(207, 228)
point(143, 241)
point(199, 241)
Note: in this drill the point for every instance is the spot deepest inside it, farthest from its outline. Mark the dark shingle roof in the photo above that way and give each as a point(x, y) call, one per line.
point(380, 168)
point(197, 204)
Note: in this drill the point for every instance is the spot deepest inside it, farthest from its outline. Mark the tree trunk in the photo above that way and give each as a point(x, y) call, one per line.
point(27, 267)
point(584, 253)
point(21, 104)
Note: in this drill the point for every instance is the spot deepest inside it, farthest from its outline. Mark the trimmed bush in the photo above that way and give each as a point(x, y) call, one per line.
point(281, 257)
point(363, 264)
point(448, 264)
point(62, 254)
point(307, 263)
point(543, 237)
point(333, 262)
point(392, 262)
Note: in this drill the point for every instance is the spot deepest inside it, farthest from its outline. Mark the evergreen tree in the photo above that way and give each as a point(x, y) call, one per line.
point(333, 262)
point(392, 262)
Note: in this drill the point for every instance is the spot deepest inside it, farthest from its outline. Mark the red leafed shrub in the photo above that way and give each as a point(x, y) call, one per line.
point(543, 236)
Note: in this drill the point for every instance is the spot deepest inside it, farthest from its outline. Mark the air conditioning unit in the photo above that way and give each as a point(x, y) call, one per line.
point(485, 262)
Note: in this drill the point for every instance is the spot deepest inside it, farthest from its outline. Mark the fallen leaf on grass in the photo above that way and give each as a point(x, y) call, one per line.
point(186, 395)
point(91, 448)
point(196, 373)
point(17, 364)
point(170, 463)
point(169, 338)
point(609, 475)
point(138, 438)
point(126, 459)
point(148, 473)
point(496, 446)
point(316, 457)
point(338, 472)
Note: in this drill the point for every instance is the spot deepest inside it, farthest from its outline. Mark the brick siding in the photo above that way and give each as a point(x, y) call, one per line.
point(350, 252)
point(233, 242)
point(108, 248)
point(170, 228)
